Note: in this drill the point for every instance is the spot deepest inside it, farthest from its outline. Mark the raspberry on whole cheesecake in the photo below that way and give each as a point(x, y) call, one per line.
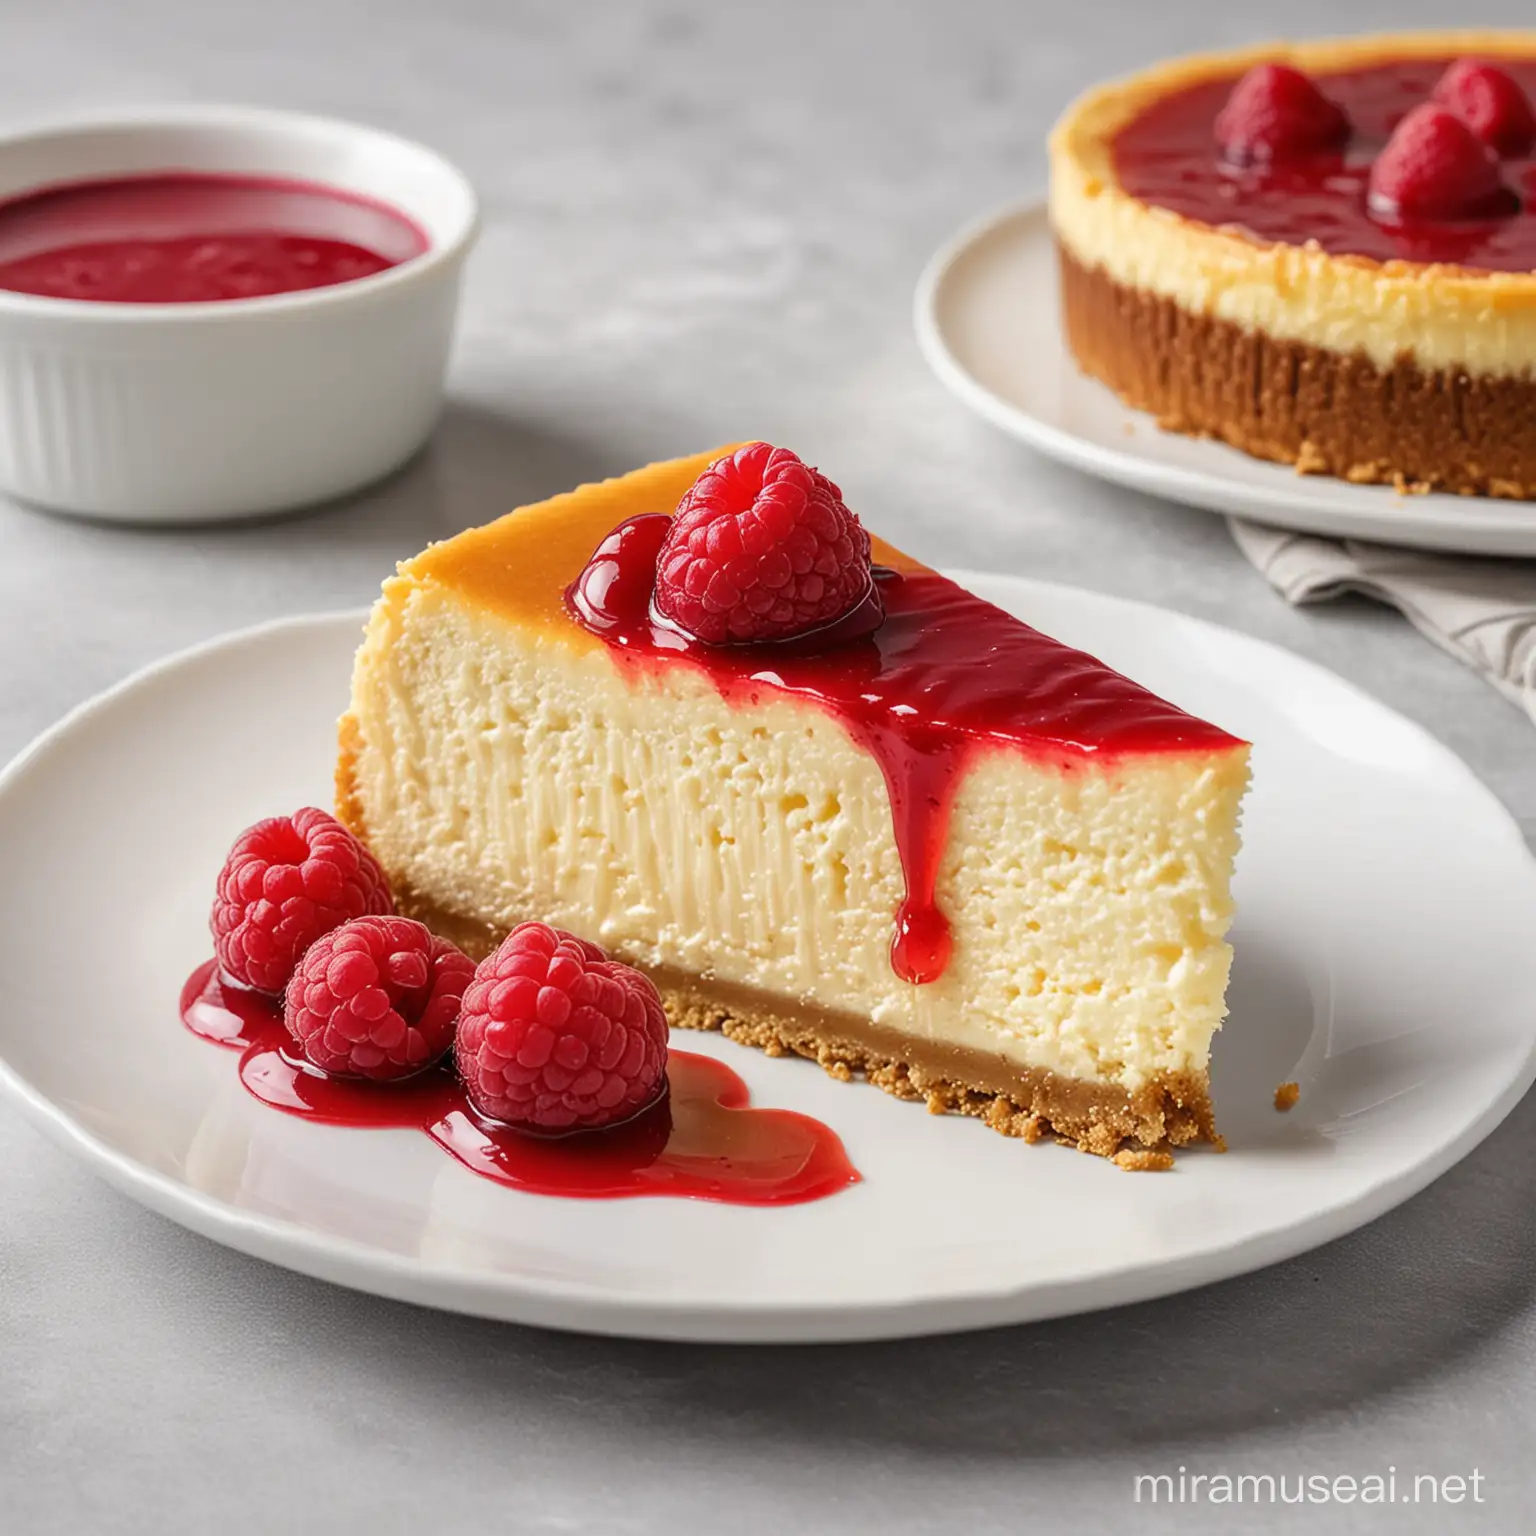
point(762, 548)
point(286, 881)
point(377, 997)
point(1490, 102)
point(1275, 111)
point(1435, 167)
point(556, 1037)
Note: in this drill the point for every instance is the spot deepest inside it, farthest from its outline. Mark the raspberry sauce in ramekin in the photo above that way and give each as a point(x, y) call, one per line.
point(183, 237)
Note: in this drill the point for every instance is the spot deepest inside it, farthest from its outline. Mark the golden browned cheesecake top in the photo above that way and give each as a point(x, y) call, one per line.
point(520, 565)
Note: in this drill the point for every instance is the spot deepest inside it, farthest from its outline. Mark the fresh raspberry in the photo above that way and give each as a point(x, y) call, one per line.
point(556, 1037)
point(761, 548)
point(1491, 103)
point(1275, 111)
point(286, 881)
point(377, 997)
point(1435, 167)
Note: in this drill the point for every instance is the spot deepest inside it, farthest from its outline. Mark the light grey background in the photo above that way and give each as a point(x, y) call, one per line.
point(704, 222)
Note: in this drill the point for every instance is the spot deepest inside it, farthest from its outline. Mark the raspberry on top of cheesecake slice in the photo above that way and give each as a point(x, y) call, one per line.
point(828, 800)
point(1321, 253)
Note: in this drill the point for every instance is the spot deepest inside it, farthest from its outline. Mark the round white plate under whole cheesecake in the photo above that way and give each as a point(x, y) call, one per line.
point(1383, 962)
point(987, 321)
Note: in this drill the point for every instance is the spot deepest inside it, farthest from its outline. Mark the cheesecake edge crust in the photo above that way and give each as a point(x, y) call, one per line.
point(1324, 412)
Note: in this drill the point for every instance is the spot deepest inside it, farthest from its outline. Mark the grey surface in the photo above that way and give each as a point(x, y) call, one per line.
point(703, 223)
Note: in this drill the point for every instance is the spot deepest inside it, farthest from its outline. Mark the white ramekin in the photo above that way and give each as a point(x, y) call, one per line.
point(169, 413)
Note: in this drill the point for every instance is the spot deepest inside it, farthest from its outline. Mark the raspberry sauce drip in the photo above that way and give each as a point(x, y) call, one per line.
point(1168, 156)
point(701, 1140)
point(943, 675)
point(185, 238)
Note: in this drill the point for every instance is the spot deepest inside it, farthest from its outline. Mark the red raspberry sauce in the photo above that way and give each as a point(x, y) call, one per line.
point(700, 1141)
point(943, 675)
point(1168, 157)
point(184, 238)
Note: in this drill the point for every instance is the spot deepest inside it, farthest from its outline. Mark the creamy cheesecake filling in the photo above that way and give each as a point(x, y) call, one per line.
point(501, 775)
point(1439, 316)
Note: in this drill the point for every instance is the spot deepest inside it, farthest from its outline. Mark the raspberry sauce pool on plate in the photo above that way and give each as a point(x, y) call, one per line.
point(182, 237)
point(703, 1140)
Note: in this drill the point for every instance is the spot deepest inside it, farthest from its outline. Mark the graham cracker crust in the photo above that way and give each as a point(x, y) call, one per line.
point(1171, 1110)
point(1325, 412)
point(1136, 1130)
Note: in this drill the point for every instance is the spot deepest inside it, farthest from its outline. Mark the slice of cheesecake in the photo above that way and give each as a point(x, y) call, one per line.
point(975, 865)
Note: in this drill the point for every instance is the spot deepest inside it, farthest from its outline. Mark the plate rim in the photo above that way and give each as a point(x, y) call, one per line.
point(579, 1306)
point(1494, 528)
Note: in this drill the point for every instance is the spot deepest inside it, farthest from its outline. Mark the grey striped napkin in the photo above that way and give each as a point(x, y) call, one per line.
point(1482, 611)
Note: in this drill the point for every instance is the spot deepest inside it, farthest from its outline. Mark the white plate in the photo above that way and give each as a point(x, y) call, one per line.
point(986, 315)
point(1384, 961)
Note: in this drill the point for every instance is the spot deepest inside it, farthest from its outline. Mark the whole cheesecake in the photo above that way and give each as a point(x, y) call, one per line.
point(949, 853)
point(1323, 254)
